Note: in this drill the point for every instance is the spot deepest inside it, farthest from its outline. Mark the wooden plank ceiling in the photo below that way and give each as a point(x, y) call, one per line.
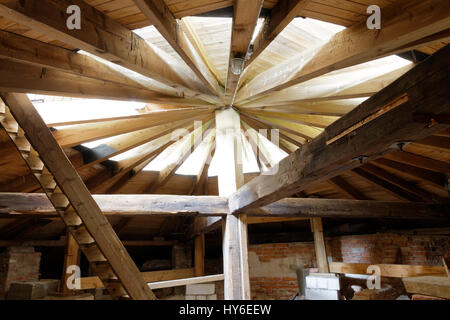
point(275, 90)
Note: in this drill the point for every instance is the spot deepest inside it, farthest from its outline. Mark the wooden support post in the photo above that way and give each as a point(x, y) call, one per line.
point(319, 244)
point(71, 258)
point(199, 256)
point(231, 177)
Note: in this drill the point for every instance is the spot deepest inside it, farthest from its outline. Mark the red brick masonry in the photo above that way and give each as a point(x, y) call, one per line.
point(18, 264)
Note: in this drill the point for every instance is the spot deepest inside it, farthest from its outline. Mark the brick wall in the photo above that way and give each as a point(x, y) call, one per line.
point(18, 264)
point(389, 248)
point(273, 267)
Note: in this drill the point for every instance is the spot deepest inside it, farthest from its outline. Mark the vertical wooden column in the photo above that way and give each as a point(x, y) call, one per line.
point(319, 243)
point(71, 258)
point(199, 255)
point(231, 178)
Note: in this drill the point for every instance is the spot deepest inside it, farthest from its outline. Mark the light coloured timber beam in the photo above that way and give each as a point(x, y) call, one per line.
point(387, 270)
point(306, 132)
point(306, 119)
point(191, 33)
point(288, 135)
point(101, 36)
point(245, 18)
point(261, 152)
point(36, 204)
point(279, 18)
point(26, 50)
point(104, 128)
point(208, 154)
point(199, 255)
point(234, 229)
point(122, 143)
point(135, 162)
point(363, 82)
point(189, 144)
point(334, 108)
point(185, 282)
point(159, 14)
point(25, 78)
point(428, 285)
point(370, 130)
point(71, 258)
point(319, 245)
point(94, 222)
point(404, 22)
point(88, 283)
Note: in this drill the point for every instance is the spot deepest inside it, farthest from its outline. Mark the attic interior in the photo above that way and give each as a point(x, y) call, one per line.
point(224, 150)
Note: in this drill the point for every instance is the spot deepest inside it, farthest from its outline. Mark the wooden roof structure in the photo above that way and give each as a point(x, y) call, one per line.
point(351, 119)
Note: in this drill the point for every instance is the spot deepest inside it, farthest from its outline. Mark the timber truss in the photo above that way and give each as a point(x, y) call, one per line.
point(338, 115)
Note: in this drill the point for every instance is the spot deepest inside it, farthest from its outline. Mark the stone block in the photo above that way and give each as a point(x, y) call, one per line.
point(201, 289)
point(321, 294)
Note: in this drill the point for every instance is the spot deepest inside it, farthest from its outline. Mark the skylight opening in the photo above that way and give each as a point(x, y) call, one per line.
point(59, 110)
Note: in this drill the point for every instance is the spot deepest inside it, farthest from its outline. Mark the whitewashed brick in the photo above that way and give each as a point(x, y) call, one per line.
point(323, 281)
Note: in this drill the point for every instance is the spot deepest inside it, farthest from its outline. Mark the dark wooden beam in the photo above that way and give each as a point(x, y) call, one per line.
point(401, 183)
point(29, 205)
point(367, 132)
point(342, 185)
point(427, 176)
point(386, 185)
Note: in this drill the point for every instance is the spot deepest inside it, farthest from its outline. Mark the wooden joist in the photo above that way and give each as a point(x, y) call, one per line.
point(319, 245)
point(188, 146)
point(358, 82)
point(280, 16)
point(35, 204)
point(404, 22)
point(245, 18)
point(25, 78)
point(199, 255)
point(151, 276)
point(365, 134)
point(163, 19)
point(26, 50)
point(162, 121)
point(103, 37)
point(185, 282)
point(428, 285)
point(125, 142)
point(387, 270)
